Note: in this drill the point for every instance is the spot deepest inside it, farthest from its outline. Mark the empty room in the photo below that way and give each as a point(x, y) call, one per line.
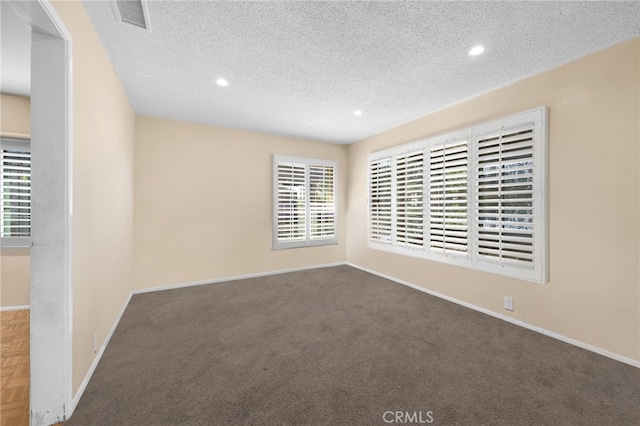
point(320, 213)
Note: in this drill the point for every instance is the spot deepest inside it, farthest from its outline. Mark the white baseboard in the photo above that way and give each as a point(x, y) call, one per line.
point(600, 351)
point(96, 360)
point(235, 278)
point(14, 308)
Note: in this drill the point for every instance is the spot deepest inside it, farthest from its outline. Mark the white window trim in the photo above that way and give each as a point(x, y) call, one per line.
point(307, 242)
point(539, 272)
point(17, 144)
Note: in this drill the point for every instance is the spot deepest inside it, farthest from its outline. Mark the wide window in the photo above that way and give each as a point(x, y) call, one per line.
point(16, 193)
point(474, 198)
point(304, 202)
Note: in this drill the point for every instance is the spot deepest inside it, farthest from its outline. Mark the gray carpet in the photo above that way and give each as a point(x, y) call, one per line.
point(338, 346)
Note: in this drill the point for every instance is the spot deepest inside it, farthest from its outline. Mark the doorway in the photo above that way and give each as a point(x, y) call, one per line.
point(51, 216)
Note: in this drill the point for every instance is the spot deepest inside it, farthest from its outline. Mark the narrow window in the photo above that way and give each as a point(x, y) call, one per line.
point(16, 193)
point(409, 204)
point(448, 163)
point(380, 216)
point(322, 207)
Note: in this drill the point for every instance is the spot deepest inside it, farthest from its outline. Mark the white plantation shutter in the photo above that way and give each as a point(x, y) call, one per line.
point(304, 202)
point(16, 192)
point(380, 209)
point(474, 198)
point(505, 197)
point(409, 230)
point(448, 185)
point(291, 202)
point(321, 202)
point(509, 212)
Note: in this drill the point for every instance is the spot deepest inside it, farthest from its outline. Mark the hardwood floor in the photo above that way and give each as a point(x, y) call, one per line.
point(14, 363)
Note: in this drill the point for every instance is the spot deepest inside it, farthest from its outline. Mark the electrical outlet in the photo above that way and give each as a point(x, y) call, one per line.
point(508, 303)
point(95, 342)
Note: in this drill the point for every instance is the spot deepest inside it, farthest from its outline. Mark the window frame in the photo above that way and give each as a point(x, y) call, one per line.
point(308, 241)
point(537, 271)
point(16, 144)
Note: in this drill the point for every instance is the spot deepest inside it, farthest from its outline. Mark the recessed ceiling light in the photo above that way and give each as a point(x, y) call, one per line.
point(357, 112)
point(222, 82)
point(476, 50)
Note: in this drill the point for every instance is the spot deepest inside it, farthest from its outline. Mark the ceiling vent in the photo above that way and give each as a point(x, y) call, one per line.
point(133, 12)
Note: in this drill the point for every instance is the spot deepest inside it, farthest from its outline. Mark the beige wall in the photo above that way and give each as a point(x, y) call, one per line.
point(203, 203)
point(15, 277)
point(15, 121)
point(593, 293)
point(102, 190)
point(15, 116)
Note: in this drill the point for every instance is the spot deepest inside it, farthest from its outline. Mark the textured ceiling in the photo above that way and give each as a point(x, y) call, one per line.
point(302, 68)
point(15, 63)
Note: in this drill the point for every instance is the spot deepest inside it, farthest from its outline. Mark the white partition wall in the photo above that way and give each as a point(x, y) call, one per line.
point(50, 375)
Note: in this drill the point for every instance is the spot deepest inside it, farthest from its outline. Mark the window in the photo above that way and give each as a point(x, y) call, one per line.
point(380, 200)
point(408, 199)
point(304, 204)
point(448, 194)
point(474, 198)
point(16, 193)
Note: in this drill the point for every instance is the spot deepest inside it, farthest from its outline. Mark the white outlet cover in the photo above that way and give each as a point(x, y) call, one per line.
point(508, 303)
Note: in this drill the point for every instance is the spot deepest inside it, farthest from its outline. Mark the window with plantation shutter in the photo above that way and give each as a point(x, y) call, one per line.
point(16, 193)
point(448, 185)
point(380, 200)
point(409, 185)
point(509, 210)
point(304, 203)
point(291, 202)
point(474, 198)
point(322, 208)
